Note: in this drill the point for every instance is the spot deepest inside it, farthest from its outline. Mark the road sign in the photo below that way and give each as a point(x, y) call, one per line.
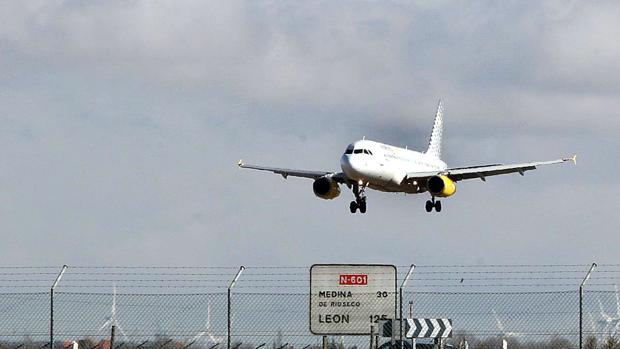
point(429, 328)
point(346, 299)
point(418, 328)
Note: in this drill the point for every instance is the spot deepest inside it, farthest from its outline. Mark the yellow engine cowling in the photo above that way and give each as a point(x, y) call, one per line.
point(441, 186)
point(326, 188)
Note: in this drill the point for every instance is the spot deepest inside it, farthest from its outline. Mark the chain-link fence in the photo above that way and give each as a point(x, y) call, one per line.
point(491, 307)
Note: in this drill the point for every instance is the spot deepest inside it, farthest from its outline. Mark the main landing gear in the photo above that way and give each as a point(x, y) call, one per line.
point(430, 204)
point(360, 200)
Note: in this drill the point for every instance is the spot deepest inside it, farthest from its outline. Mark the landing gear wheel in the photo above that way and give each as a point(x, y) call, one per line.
point(360, 199)
point(438, 206)
point(353, 207)
point(362, 207)
point(429, 206)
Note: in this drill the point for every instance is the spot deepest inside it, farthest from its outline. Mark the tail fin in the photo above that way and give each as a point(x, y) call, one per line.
point(434, 145)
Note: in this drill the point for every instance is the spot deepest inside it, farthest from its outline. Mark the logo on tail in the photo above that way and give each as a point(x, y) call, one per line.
point(434, 145)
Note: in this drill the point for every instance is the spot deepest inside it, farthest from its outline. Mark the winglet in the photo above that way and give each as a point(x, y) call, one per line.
point(573, 159)
point(240, 163)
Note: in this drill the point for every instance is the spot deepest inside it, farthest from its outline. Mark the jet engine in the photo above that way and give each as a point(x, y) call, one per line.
point(326, 188)
point(441, 186)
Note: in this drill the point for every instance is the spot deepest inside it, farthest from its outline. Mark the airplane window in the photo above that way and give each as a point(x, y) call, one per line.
point(349, 150)
point(366, 151)
point(369, 152)
point(358, 151)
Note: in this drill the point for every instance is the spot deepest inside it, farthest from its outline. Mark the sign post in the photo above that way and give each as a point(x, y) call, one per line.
point(346, 298)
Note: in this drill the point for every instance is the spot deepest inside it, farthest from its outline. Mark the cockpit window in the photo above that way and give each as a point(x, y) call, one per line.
point(358, 151)
point(352, 150)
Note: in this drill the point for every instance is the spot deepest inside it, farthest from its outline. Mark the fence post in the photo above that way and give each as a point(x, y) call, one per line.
point(372, 335)
point(62, 271)
point(400, 297)
point(583, 283)
point(232, 284)
point(112, 336)
point(411, 316)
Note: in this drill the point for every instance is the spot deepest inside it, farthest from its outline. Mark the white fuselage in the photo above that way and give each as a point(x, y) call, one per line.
point(384, 167)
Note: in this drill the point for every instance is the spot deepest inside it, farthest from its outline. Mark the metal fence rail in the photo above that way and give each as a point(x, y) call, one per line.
point(187, 308)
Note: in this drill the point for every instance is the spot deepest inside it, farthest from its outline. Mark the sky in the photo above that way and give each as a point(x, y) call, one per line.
point(121, 124)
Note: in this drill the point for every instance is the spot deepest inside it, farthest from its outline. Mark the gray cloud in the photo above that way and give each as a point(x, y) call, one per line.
point(122, 122)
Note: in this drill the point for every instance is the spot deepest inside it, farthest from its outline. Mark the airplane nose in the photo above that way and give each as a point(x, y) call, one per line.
point(345, 163)
point(349, 165)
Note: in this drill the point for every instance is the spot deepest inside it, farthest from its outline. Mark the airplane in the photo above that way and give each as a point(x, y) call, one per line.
point(386, 168)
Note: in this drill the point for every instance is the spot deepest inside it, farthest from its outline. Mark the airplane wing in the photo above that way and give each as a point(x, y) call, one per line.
point(285, 172)
point(461, 173)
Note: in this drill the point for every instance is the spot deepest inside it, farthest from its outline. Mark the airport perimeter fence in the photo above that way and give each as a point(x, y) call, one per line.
point(527, 306)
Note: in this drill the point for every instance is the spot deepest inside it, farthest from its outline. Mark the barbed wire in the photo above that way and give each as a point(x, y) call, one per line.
point(405, 267)
point(306, 280)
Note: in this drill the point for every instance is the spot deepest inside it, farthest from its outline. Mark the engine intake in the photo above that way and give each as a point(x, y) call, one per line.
point(441, 186)
point(326, 188)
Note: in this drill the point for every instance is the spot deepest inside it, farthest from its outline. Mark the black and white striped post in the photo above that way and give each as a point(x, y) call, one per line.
point(429, 328)
point(419, 328)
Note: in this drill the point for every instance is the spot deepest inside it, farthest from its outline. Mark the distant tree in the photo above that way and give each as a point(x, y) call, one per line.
point(277, 342)
point(559, 343)
point(458, 339)
point(590, 343)
point(340, 344)
point(336, 343)
point(490, 343)
point(86, 343)
point(611, 343)
point(514, 343)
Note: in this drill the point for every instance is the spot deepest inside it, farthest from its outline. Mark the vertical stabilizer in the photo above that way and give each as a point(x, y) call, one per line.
point(434, 145)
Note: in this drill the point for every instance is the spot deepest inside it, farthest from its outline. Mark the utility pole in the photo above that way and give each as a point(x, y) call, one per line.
point(583, 283)
point(400, 297)
point(230, 287)
point(62, 271)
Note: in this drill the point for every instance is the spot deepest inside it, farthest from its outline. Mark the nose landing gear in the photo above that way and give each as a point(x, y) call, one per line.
point(430, 204)
point(360, 199)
